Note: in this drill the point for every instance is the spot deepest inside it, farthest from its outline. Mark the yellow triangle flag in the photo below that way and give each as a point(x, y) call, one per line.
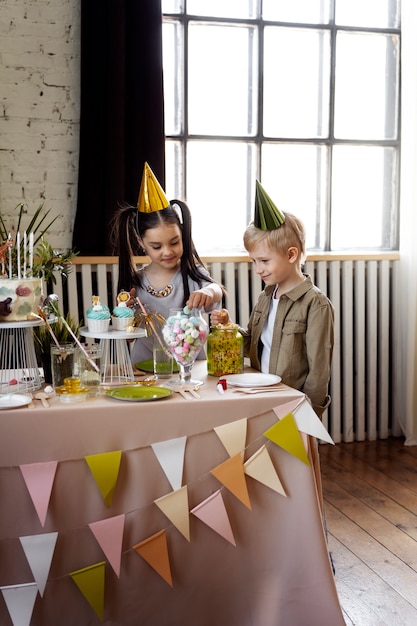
point(175, 507)
point(154, 550)
point(231, 474)
point(105, 469)
point(233, 436)
point(90, 581)
point(260, 467)
point(285, 434)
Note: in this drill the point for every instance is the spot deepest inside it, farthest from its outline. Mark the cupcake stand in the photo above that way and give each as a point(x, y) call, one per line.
point(19, 371)
point(115, 360)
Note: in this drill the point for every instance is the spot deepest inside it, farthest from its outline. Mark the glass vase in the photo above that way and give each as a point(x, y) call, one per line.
point(185, 333)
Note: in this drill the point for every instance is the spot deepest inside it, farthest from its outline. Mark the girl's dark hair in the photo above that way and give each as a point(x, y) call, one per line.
point(129, 227)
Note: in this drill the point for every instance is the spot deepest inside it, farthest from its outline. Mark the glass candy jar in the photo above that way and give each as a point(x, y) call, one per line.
point(224, 350)
point(185, 333)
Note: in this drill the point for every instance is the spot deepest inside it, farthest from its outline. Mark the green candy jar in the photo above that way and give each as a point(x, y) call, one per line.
point(224, 350)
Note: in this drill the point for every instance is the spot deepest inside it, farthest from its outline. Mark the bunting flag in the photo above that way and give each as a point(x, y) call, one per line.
point(90, 581)
point(288, 407)
point(39, 479)
point(233, 436)
point(175, 506)
point(170, 455)
point(260, 467)
point(109, 534)
point(105, 469)
point(212, 512)
point(39, 550)
point(285, 434)
point(308, 422)
point(154, 550)
point(232, 475)
point(20, 600)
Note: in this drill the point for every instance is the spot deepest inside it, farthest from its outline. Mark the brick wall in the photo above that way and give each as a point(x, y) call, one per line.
point(39, 109)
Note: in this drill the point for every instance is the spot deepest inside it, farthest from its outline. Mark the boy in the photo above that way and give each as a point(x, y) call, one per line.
point(291, 329)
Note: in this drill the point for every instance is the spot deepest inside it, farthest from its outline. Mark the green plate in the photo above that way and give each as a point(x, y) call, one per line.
point(147, 366)
point(138, 393)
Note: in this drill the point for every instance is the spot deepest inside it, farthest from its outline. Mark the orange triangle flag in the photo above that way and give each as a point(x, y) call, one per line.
point(105, 469)
point(90, 581)
point(232, 475)
point(260, 467)
point(154, 550)
point(175, 507)
point(285, 434)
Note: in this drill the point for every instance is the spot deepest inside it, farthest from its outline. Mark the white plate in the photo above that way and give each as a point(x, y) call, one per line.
point(14, 400)
point(252, 380)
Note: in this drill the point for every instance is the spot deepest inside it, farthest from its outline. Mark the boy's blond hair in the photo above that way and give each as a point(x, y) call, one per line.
point(290, 234)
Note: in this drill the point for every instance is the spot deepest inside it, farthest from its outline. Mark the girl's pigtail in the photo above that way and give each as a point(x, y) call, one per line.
point(123, 231)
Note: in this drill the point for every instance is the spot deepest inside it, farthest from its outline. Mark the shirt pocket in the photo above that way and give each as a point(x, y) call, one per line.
point(293, 337)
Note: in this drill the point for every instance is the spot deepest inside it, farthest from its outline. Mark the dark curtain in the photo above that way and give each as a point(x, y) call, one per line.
point(122, 112)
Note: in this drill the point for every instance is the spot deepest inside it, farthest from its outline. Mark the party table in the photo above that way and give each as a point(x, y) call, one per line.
point(174, 512)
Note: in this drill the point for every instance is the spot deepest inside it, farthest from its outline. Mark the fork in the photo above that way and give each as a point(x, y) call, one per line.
point(182, 390)
point(253, 390)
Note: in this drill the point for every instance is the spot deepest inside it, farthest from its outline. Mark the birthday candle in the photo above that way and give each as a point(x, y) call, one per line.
point(10, 259)
point(24, 253)
point(31, 251)
point(18, 254)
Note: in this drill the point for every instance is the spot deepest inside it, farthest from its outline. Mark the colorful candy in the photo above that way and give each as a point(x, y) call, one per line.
point(185, 335)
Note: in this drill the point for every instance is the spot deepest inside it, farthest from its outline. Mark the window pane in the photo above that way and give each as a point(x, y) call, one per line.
point(221, 178)
point(173, 63)
point(222, 79)
point(363, 191)
point(366, 86)
point(368, 13)
point(174, 170)
point(296, 82)
point(295, 177)
point(223, 8)
point(304, 11)
point(172, 6)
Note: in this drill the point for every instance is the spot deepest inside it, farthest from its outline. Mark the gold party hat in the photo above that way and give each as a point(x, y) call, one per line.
point(267, 214)
point(151, 195)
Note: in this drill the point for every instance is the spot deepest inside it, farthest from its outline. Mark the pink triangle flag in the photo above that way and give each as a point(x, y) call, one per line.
point(260, 467)
point(212, 512)
point(233, 436)
point(20, 600)
point(39, 478)
point(109, 534)
point(175, 507)
point(39, 550)
point(170, 455)
point(289, 407)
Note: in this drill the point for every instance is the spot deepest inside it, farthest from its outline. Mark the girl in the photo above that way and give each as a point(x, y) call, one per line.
point(175, 277)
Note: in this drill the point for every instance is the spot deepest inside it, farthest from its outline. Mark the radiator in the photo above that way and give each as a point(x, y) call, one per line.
point(361, 292)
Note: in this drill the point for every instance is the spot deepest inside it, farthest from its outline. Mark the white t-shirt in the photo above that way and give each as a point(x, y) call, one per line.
point(267, 333)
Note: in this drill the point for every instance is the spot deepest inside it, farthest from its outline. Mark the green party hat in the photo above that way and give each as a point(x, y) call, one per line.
point(267, 215)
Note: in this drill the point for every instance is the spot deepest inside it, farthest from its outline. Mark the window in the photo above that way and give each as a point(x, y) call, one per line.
point(300, 94)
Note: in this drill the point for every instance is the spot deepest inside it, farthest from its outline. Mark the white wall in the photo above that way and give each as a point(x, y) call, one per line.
point(40, 109)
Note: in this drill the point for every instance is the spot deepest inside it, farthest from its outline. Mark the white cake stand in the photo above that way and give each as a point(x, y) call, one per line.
point(116, 366)
point(19, 371)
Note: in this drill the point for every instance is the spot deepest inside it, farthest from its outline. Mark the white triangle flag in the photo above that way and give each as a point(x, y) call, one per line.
point(308, 422)
point(170, 455)
point(39, 550)
point(20, 600)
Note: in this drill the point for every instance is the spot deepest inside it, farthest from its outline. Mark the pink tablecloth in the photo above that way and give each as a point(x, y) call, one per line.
point(278, 574)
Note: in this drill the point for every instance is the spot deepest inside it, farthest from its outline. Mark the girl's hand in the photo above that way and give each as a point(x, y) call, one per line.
point(200, 299)
point(220, 317)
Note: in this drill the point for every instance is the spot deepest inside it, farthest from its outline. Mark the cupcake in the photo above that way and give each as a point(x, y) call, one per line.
point(123, 315)
point(98, 317)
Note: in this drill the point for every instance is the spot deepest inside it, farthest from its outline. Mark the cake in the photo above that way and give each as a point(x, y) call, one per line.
point(98, 317)
point(123, 316)
point(19, 298)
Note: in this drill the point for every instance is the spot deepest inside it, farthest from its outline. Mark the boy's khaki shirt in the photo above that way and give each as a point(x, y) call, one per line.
point(302, 342)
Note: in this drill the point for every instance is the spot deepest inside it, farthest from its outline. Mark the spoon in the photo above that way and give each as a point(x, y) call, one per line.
point(43, 397)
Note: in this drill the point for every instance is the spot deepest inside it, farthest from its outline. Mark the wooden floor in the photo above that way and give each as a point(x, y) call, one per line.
point(370, 493)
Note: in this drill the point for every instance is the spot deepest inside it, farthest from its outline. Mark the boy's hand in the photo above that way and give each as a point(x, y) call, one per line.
point(220, 317)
